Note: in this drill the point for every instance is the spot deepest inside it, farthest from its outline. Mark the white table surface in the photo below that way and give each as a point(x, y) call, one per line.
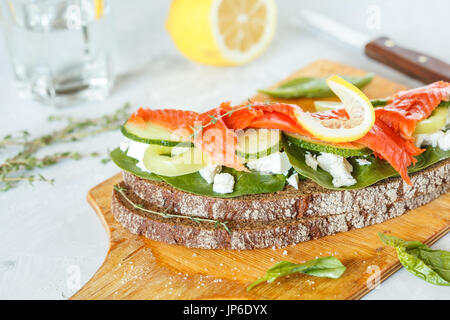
point(48, 232)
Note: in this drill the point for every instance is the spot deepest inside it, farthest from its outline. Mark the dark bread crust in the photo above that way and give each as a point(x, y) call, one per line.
point(310, 200)
point(252, 234)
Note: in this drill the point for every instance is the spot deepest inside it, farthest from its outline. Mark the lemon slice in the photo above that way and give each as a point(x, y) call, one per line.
point(99, 7)
point(358, 106)
point(222, 32)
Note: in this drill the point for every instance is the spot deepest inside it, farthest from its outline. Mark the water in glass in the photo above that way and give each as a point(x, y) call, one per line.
point(61, 50)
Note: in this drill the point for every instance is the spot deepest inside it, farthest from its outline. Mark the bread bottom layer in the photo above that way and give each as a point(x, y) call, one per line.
point(243, 235)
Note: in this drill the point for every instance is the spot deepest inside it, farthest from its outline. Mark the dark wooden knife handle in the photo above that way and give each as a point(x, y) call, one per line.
point(415, 64)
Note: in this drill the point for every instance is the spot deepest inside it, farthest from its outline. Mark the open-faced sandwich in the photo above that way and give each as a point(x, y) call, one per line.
point(270, 174)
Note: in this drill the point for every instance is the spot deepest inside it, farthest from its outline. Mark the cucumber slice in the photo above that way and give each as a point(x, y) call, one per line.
point(436, 121)
point(153, 134)
point(162, 160)
point(379, 102)
point(320, 146)
point(257, 143)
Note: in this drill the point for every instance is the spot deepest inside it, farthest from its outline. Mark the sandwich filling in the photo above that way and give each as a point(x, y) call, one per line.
point(259, 147)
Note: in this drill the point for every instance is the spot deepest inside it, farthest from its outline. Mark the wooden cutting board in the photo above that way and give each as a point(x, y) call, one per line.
point(138, 268)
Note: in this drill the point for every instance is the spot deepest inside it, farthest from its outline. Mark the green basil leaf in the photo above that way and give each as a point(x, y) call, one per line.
point(390, 240)
point(430, 265)
point(325, 267)
point(245, 182)
point(438, 259)
point(311, 87)
point(365, 175)
point(397, 242)
point(419, 268)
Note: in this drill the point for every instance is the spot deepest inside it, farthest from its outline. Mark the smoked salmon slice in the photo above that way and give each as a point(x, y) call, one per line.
point(410, 106)
point(217, 139)
point(387, 145)
point(276, 120)
point(207, 131)
point(239, 117)
point(259, 115)
point(252, 110)
point(172, 119)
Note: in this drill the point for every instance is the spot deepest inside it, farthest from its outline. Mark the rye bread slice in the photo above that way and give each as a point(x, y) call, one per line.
point(252, 234)
point(310, 200)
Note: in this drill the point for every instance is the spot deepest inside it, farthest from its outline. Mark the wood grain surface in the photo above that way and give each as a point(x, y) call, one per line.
point(138, 268)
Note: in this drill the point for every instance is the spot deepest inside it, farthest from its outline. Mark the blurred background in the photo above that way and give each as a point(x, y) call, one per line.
point(137, 54)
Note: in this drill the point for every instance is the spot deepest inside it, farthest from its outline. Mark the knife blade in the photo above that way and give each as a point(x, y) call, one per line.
point(418, 65)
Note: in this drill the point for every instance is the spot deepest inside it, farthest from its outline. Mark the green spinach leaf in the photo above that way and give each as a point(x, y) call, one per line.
point(325, 267)
point(311, 87)
point(365, 175)
point(430, 265)
point(245, 182)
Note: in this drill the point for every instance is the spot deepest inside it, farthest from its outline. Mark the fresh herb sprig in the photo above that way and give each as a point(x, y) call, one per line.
point(76, 129)
point(16, 168)
point(325, 267)
point(430, 265)
point(166, 215)
point(197, 129)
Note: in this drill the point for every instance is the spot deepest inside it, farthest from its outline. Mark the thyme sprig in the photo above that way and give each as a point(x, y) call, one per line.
point(166, 215)
point(197, 129)
point(76, 129)
point(15, 169)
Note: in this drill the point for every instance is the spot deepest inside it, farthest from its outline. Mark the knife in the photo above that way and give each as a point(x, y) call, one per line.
point(383, 49)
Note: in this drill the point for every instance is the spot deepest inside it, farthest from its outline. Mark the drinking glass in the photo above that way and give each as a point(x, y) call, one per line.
point(60, 50)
